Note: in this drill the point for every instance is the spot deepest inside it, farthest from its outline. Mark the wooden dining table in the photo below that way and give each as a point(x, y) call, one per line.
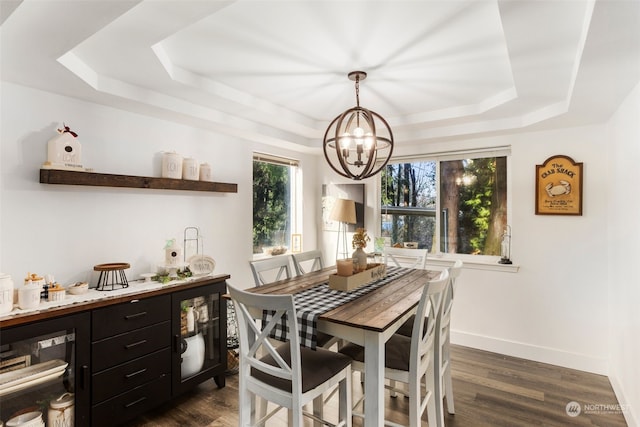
point(370, 320)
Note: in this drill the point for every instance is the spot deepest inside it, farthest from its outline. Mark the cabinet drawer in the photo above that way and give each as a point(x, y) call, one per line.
point(109, 321)
point(127, 376)
point(132, 403)
point(124, 347)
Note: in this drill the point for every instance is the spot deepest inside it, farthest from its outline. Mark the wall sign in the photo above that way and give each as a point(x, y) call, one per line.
point(559, 187)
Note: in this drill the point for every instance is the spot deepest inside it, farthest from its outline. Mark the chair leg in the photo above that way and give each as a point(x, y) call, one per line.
point(261, 407)
point(247, 405)
point(415, 397)
point(318, 410)
point(448, 391)
point(344, 401)
point(435, 410)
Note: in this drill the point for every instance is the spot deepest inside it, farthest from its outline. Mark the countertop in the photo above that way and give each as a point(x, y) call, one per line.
point(94, 299)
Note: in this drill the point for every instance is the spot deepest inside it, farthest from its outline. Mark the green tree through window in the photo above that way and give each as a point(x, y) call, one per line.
point(472, 198)
point(271, 205)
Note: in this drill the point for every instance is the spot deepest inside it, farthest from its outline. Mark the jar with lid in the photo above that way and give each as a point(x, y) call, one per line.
point(171, 165)
point(190, 169)
point(6, 293)
point(61, 411)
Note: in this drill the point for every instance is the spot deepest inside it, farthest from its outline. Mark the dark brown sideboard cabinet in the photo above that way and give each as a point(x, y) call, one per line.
point(41, 362)
point(118, 357)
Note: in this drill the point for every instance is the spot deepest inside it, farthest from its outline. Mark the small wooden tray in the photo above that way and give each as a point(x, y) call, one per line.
point(349, 283)
point(111, 266)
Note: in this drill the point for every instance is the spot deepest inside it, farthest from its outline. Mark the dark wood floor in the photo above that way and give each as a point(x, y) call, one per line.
point(490, 390)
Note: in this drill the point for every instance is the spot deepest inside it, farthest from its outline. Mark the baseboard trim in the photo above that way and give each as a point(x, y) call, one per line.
point(628, 410)
point(531, 352)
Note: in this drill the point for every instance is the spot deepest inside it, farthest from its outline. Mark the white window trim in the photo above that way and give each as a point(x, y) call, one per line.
point(295, 193)
point(445, 260)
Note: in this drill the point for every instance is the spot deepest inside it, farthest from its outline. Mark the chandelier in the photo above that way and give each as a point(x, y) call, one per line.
point(359, 142)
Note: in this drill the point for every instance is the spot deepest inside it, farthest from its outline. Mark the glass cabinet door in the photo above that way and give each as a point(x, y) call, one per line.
point(43, 373)
point(199, 339)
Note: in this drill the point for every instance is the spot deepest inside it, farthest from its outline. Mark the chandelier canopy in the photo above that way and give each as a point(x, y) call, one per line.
point(359, 142)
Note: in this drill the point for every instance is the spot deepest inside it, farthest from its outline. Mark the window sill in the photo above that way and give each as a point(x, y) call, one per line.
point(473, 262)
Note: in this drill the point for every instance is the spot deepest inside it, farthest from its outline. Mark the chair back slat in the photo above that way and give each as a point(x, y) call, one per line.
point(270, 270)
point(404, 257)
point(424, 332)
point(254, 335)
point(309, 261)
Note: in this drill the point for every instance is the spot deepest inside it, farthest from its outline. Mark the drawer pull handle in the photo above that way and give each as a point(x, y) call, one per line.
point(85, 377)
point(133, 316)
point(135, 402)
point(133, 374)
point(135, 344)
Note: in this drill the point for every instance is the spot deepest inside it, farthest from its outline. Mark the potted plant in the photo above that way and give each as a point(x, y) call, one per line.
point(359, 242)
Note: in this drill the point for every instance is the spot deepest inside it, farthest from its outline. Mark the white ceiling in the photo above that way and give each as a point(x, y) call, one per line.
point(276, 71)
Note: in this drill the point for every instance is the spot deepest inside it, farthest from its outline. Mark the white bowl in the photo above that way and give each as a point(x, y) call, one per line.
point(30, 419)
point(78, 288)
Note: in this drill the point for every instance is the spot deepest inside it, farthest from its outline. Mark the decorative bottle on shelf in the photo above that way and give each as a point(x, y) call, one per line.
point(191, 321)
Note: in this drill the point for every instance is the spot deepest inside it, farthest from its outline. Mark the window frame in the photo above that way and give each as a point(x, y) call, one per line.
point(443, 259)
point(295, 194)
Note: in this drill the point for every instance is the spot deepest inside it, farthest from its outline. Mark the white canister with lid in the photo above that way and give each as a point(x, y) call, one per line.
point(205, 172)
point(60, 412)
point(190, 169)
point(29, 295)
point(6, 293)
point(171, 165)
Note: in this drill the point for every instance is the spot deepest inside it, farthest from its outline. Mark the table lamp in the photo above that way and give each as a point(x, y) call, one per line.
point(344, 211)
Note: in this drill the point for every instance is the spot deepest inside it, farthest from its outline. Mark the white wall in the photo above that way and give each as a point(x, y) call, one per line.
point(551, 310)
point(562, 307)
point(623, 202)
point(555, 309)
point(66, 230)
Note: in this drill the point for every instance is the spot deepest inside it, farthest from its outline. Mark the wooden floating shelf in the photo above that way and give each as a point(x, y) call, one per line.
point(67, 177)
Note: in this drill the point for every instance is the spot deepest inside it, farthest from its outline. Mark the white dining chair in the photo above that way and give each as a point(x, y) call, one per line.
point(268, 270)
point(410, 360)
point(443, 352)
point(288, 375)
point(404, 257)
point(306, 262)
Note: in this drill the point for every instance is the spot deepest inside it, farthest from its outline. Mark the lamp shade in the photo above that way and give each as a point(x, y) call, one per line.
point(344, 210)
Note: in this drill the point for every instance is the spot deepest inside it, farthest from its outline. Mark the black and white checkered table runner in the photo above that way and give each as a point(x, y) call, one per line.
point(315, 301)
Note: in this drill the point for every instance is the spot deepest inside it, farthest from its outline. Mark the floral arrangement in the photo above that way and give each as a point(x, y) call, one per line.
point(164, 278)
point(360, 238)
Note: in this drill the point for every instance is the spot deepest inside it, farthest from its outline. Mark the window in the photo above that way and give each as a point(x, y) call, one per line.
point(453, 203)
point(275, 195)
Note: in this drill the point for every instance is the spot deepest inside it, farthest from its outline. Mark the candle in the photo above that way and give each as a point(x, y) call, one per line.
point(345, 267)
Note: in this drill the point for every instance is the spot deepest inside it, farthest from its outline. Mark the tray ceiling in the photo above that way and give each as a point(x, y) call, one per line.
point(276, 71)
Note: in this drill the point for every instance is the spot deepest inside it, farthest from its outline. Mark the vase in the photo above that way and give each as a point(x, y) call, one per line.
point(359, 260)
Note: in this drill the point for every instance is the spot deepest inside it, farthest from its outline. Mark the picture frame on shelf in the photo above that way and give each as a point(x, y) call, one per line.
point(296, 243)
